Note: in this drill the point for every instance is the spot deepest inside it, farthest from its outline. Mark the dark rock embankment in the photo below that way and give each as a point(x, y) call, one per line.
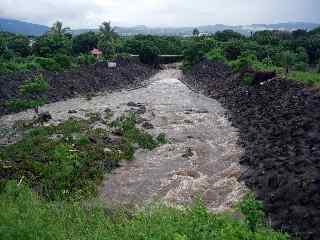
point(279, 123)
point(81, 81)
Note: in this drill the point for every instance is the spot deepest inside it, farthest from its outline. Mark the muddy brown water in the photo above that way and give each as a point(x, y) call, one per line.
point(202, 158)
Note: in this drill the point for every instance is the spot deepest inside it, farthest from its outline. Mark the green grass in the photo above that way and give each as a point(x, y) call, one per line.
point(310, 78)
point(24, 216)
point(128, 129)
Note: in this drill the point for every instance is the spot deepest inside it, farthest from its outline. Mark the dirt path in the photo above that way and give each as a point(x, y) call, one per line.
point(201, 159)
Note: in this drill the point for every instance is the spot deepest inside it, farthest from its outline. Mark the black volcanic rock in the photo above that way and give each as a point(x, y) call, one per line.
point(279, 125)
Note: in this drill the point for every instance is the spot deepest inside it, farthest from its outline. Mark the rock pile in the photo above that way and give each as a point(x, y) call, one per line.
point(83, 80)
point(279, 123)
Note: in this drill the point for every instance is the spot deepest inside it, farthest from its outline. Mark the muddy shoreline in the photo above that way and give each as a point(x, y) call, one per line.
point(280, 132)
point(86, 80)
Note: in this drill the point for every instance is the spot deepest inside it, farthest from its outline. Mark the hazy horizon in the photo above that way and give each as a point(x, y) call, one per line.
point(80, 14)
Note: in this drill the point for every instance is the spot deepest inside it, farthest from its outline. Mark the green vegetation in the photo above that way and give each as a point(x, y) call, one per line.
point(128, 129)
point(311, 78)
point(23, 215)
point(60, 162)
point(294, 55)
point(58, 50)
point(32, 95)
point(253, 212)
point(149, 54)
point(68, 161)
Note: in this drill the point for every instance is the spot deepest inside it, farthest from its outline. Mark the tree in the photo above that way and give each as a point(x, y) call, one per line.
point(3, 46)
point(84, 42)
point(57, 28)
point(227, 35)
point(216, 54)
point(299, 33)
point(193, 54)
point(287, 60)
point(31, 95)
point(196, 32)
point(149, 54)
point(52, 44)
point(107, 46)
point(20, 45)
point(107, 31)
point(232, 52)
point(302, 56)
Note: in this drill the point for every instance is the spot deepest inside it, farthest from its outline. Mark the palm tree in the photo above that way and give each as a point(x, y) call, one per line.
point(107, 31)
point(58, 29)
point(196, 32)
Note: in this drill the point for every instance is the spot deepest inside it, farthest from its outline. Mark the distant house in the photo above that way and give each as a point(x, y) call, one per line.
point(31, 42)
point(97, 53)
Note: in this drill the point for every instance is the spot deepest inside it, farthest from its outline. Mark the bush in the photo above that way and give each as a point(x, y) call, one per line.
point(244, 60)
point(216, 55)
point(32, 95)
point(301, 66)
point(253, 212)
point(86, 59)
point(64, 61)
point(149, 54)
point(247, 80)
point(47, 63)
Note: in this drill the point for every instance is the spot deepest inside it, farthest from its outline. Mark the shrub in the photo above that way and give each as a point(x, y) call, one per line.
point(247, 80)
point(132, 134)
point(301, 66)
point(32, 95)
point(47, 63)
point(63, 60)
point(86, 59)
point(252, 211)
point(246, 59)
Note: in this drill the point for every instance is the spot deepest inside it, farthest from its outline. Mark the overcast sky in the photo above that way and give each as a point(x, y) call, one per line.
point(90, 13)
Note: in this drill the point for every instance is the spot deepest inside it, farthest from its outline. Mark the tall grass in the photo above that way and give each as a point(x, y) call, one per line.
point(310, 78)
point(24, 216)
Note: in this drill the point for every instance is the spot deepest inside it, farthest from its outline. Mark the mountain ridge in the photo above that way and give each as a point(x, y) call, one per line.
point(26, 28)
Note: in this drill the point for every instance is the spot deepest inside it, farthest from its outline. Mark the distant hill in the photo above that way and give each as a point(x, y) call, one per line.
point(25, 28)
point(209, 29)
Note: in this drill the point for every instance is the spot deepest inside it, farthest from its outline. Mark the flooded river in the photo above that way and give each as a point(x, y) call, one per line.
point(202, 158)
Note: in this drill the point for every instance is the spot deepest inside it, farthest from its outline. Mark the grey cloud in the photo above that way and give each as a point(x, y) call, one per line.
point(89, 13)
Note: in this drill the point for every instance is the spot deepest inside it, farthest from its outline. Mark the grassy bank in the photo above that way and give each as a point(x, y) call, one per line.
point(68, 160)
point(23, 215)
